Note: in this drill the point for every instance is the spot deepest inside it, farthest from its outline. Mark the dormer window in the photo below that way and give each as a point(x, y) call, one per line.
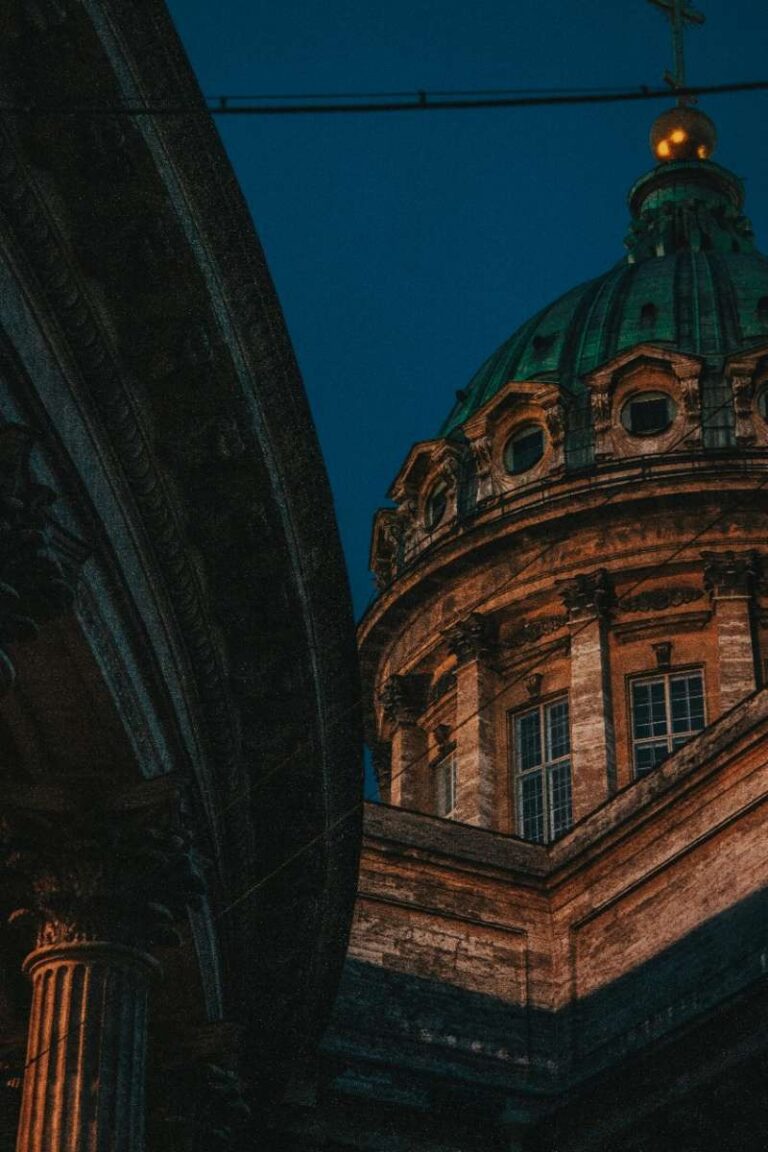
point(524, 449)
point(648, 413)
point(435, 507)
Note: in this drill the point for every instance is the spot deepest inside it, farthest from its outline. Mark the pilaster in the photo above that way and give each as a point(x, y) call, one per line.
point(471, 641)
point(730, 578)
point(587, 600)
point(401, 700)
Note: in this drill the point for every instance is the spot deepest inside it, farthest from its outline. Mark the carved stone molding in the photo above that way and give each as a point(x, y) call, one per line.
point(534, 630)
point(471, 639)
point(658, 599)
point(589, 594)
point(730, 574)
point(33, 587)
point(743, 393)
point(402, 699)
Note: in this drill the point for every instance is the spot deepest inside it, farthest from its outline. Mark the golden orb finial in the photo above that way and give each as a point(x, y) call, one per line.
point(683, 133)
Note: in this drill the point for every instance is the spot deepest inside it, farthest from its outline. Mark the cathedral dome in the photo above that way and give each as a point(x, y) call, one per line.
point(691, 281)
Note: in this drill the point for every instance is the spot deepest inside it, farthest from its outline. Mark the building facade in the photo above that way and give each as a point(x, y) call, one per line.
point(560, 932)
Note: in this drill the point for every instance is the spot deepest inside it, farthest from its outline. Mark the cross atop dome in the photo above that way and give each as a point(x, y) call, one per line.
point(679, 14)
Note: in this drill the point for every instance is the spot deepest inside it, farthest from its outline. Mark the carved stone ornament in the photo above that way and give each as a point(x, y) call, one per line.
point(730, 574)
point(601, 409)
point(658, 599)
point(99, 872)
point(555, 421)
point(742, 396)
point(663, 653)
point(534, 630)
point(33, 587)
point(590, 594)
point(482, 450)
point(533, 684)
point(691, 395)
point(470, 639)
point(402, 699)
point(387, 547)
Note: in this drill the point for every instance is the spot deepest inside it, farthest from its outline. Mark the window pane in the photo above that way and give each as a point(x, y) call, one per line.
point(558, 740)
point(686, 695)
point(562, 808)
point(647, 756)
point(647, 416)
point(532, 807)
point(528, 741)
point(649, 712)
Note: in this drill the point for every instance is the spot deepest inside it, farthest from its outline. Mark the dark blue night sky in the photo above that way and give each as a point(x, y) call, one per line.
point(406, 247)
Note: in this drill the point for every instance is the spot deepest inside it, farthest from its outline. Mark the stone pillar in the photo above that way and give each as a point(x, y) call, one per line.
point(401, 702)
point(593, 752)
point(730, 578)
point(84, 1077)
point(471, 643)
point(92, 878)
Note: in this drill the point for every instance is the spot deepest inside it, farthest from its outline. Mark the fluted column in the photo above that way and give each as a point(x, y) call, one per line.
point(92, 880)
point(85, 1074)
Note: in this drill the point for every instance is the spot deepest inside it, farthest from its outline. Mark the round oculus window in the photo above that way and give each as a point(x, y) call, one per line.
point(524, 449)
point(435, 507)
point(648, 413)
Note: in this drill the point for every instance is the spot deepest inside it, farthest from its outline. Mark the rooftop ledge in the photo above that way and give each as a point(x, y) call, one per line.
point(407, 832)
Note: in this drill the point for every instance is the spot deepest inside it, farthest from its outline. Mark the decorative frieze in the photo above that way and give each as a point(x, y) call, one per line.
point(659, 599)
point(534, 630)
point(33, 587)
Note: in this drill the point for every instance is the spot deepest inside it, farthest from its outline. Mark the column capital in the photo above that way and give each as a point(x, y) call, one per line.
point(471, 638)
point(589, 594)
point(730, 575)
point(114, 872)
point(402, 699)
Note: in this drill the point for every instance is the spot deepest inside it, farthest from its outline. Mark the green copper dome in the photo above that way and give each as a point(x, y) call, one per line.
point(691, 281)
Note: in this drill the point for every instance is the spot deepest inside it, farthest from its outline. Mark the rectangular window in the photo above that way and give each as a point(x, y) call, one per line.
point(666, 711)
point(445, 787)
point(542, 768)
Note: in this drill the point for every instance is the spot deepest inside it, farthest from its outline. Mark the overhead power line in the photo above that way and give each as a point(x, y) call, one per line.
point(374, 102)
